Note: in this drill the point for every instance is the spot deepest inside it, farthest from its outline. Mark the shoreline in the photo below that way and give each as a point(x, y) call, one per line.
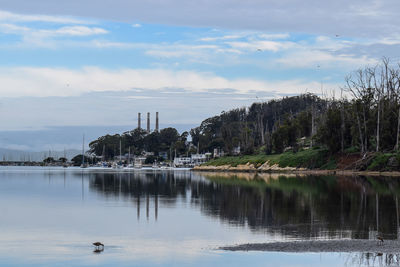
point(298, 171)
point(355, 245)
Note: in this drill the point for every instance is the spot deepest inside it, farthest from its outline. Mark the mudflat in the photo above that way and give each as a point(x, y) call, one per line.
point(362, 245)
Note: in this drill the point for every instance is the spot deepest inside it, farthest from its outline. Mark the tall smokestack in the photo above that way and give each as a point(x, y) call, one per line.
point(148, 122)
point(157, 126)
point(138, 120)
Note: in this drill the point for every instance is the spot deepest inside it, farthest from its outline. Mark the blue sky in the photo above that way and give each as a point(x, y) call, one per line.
point(99, 63)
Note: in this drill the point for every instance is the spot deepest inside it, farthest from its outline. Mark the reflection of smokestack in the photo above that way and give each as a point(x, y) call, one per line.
point(138, 120)
point(157, 128)
point(156, 206)
point(148, 122)
point(138, 208)
point(147, 206)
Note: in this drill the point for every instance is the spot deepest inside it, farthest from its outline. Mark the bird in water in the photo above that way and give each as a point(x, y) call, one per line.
point(98, 244)
point(380, 239)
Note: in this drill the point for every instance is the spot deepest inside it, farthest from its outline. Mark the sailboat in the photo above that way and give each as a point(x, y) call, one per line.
point(65, 165)
point(118, 164)
point(84, 165)
point(137, 164)
point(155, 165)
point(129, 165)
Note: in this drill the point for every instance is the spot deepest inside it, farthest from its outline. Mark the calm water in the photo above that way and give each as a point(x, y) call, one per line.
point(50, 217)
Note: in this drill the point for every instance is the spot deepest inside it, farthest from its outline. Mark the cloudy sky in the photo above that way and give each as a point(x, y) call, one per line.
point(90, 66)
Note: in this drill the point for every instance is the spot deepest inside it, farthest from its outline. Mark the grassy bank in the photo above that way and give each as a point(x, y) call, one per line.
point(317, 158)
point(311, 159)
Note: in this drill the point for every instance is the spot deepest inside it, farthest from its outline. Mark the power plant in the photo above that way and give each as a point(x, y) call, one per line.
point(148, 122)
point(157, 126)
point(148, 129)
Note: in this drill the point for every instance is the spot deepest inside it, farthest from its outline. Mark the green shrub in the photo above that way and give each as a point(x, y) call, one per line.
point(379, 163)
point(352, 149)
point(311, 158)
point(330, 165)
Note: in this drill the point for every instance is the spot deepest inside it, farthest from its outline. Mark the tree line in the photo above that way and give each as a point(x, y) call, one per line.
point(366, 117)
point(166, 140)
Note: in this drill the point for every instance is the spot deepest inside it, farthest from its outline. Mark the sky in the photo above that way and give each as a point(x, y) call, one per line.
point(90, 66)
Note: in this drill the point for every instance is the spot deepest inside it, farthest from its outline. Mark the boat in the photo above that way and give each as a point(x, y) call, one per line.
point(155, 165)
point(83, 165)
point(65, 165)
point(137, 164)
point(115, 165)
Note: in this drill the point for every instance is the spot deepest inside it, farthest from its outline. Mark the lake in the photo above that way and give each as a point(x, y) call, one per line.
point(51, 217)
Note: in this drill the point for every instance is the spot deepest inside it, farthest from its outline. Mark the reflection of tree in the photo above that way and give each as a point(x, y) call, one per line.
point(372, 259)
point(313, 206)
point(306, 207)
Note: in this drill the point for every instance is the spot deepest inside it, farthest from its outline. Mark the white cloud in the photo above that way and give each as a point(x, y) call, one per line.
point(261, 45)
point(362, 18)
point(136, 25)
point(13, 17)
point(322, 59)
point(175, 51)
point(44, 82)
point(75, 31)
point(274, 36)
point(63, 31)
point(14, 29)
point(110, 44)
point(218, 38)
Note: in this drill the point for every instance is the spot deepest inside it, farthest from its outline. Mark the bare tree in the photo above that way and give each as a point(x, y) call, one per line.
point(360, 86)
point(374, 89)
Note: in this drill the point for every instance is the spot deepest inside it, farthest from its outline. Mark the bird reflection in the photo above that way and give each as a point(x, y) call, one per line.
point(98, 250)
point(98, 247)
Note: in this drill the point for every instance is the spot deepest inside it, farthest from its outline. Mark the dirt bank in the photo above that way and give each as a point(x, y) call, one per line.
point(389, 246)
point(288, 170)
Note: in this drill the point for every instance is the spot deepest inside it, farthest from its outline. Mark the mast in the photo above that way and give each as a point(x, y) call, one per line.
point(120, 152)
point(83, 150)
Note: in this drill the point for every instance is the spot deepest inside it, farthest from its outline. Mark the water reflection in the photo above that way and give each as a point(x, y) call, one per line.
point(301, 207)
point(372, 259)
point(98, 250)
point(161, 217)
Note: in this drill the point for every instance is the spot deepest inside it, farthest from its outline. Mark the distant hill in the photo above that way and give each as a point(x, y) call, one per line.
point(18, 155)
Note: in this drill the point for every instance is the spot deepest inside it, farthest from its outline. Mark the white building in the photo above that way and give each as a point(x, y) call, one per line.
point(193, 160)
point(218, 153)
point(236, 150)
point(181, 162)
point(197, 159)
